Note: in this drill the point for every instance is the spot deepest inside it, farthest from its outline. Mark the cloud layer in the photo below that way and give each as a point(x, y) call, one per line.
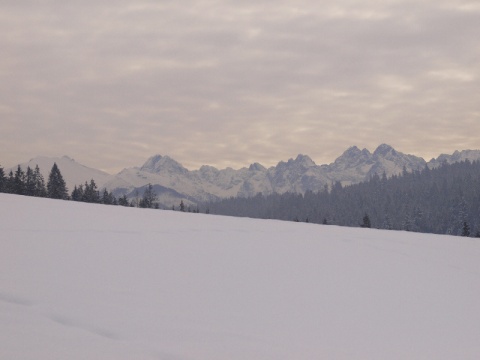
point(228, 83)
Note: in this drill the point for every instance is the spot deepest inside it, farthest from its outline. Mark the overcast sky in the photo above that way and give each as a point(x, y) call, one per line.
point(228, 83)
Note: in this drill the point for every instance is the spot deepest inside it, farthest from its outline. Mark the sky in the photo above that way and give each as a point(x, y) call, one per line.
point(228, 83)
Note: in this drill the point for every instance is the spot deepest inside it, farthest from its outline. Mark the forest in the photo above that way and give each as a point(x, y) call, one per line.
point(443, 200)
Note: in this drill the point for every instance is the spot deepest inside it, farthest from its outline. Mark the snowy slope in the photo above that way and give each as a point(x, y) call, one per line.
point(83, 281)
point(73, 172)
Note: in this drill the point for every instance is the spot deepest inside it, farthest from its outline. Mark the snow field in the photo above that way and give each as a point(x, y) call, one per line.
point(91, 281)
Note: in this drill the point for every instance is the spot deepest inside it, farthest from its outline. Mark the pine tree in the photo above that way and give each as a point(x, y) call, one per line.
point(366, 222)
point(458, 218)
point(3, 180)
point(149, 197)
point(182, 206)
point(94, 192)
point(85, 192)
point(56, 187)
point(77, 193)
point(407, 224)
point(19, 187)
point(40, 188)
point(417, 221)
point(9, 183)
point(465, 229)
point(135, 201)
point(90, 193)
point(387, 222)
point(29, 182)
point(123, 201)
point(107, 198)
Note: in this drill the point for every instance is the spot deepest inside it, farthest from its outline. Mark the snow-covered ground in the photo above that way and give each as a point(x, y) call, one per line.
point(83, 281)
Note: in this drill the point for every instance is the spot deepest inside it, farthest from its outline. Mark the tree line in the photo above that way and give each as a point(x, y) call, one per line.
point(444, 200)
point(32, 183)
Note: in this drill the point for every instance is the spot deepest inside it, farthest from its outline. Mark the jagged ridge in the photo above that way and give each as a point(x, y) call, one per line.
point(295, 175)
point(174, 182)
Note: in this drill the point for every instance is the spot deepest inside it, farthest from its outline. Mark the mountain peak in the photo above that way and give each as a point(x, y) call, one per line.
point(384, 149)
point(257, 167)
point(157, 163)
point(352, 150)
point(304, 160)
point(463, 155)
point(66, 157)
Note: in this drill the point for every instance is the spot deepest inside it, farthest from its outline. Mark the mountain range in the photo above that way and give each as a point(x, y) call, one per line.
point(172, 182)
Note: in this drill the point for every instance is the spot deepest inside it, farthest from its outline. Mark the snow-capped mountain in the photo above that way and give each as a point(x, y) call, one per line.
point(73, 172)
point(356, 165)
point(455, 157)
point(295, 175)
point(173, 182)
point(205, 184)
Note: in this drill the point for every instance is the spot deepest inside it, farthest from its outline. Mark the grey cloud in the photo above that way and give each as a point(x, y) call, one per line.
point(228, 83)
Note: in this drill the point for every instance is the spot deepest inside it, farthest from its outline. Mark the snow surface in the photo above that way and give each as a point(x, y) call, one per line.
point(84, 281)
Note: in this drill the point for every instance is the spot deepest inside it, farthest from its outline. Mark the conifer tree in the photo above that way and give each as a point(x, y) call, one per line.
point(407, 224)
point(149, 197)
point(135, 201)
point(108, 198)
point(465, 229)
point(56, 186)
point(9, 183)
point(19, 187)
point(366, 222)
point(460, 219)
point(90, 193)
point(29, 182)
point(387, 222)
point(123, 201)
point(40, 188)
point(3, 180)
point(77, 193)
